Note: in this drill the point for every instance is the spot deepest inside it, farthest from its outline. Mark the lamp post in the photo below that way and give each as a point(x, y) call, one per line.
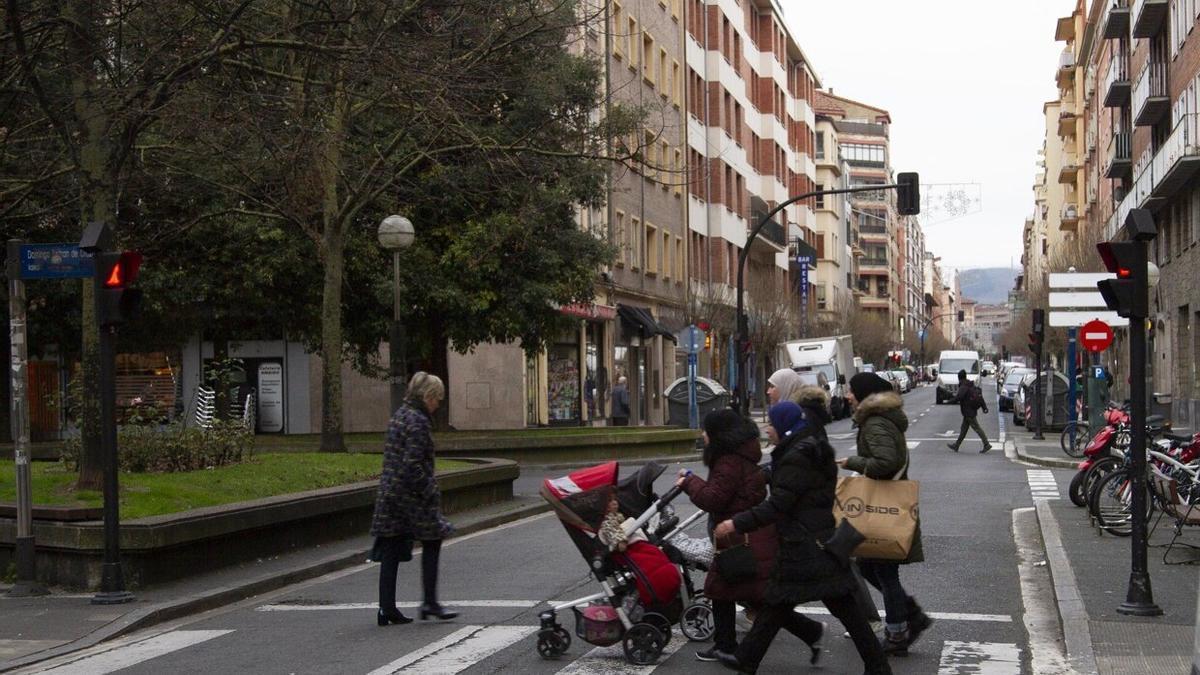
point(395, 234)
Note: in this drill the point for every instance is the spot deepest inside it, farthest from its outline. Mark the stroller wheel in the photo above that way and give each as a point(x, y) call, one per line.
point(643, 644)
point(553, 643)
point(697, 622)
point(662, 623)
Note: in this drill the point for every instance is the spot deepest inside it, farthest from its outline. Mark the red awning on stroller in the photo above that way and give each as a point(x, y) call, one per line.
point(580, 498)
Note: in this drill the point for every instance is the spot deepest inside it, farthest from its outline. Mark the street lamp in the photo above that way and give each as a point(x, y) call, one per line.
point(395, 234)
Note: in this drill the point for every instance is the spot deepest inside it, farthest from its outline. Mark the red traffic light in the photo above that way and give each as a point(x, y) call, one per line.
point(125, 271)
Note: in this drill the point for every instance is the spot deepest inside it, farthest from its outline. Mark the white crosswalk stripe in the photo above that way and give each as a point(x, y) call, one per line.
point(984, 658)
point(457, 651)
point(1042, 484)
point(611, 660)
point(132, 654)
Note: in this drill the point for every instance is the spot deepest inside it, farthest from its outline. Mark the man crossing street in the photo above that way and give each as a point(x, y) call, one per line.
point(970, 401)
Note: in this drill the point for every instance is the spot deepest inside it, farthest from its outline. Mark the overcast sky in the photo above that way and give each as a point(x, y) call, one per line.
point(964, 82)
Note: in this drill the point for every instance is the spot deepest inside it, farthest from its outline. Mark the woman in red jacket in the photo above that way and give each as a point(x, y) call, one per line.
point(735, 483)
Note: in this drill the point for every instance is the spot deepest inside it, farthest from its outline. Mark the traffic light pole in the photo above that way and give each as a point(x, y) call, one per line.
point(1139, 597)
point(742, 403)
point(112, 579)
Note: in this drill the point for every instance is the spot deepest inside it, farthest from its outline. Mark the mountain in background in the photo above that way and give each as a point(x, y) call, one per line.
point(987, 285)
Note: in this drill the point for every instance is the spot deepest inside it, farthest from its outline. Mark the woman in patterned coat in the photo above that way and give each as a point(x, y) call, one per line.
point(408, 505)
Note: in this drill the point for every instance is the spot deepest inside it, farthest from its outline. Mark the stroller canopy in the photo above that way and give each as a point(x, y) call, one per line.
point(580, 498)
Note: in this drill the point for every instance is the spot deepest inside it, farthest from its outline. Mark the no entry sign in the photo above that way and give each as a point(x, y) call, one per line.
point(1096, 336)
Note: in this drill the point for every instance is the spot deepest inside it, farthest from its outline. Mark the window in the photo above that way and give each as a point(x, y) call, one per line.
point(635, 43)
point(635, 243)
point(679, 260)
point(820, 246)
point(680, 175)
point(664, 87)
point(676, 84)
point(820, 291)
point(861, 152)
point(675, 9)
point(664, 159)
point(623, 251)
point(820, 145)
point(667, 264)
point(820, 198)
point(648, 58)
point(618, 22)
point(651, 250)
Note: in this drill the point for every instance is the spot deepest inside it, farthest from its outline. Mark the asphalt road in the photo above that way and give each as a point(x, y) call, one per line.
point(501, 578)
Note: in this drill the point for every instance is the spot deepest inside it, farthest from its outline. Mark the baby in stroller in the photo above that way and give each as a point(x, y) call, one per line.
point(643, 590)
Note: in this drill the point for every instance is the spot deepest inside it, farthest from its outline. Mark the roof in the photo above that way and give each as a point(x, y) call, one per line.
point(840, 102)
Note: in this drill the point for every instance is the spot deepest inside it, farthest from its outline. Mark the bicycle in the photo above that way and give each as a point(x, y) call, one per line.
point(1082, 436)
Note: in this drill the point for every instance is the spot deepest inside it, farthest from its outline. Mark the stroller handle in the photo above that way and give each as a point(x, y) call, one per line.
point(671, 494)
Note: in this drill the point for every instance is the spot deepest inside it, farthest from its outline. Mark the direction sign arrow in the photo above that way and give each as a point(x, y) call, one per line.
point(1077, 319)
point(1078, 279)
point(1077, 300)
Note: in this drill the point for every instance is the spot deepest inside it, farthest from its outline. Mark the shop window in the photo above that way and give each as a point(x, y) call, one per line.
point(562, 392)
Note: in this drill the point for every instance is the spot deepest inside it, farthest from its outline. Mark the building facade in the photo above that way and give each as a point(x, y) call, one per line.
point(915, 309)
point(837, 245)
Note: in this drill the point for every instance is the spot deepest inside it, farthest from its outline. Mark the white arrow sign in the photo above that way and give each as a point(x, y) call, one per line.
point(1078, 279)
point(1077, 319)
point(1077, 300)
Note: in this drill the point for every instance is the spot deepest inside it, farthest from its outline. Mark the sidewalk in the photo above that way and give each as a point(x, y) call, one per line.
point(36, 629)
point(1090, 572)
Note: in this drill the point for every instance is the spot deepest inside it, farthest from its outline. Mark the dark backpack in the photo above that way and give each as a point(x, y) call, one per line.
point(975, 398)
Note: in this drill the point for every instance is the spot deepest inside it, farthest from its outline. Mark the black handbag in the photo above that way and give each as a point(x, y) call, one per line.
point(843, 542)
point(736, 564)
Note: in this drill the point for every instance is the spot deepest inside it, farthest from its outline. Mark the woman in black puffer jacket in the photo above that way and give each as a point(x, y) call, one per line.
point(803, 483)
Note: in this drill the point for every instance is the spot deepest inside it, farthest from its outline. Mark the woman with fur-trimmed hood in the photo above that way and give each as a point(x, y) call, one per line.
point(883, 455)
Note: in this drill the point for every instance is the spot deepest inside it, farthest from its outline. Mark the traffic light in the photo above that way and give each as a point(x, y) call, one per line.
point(116, 301)
point(707, 341)
point(961, 316)
point(908, 194)
point(1123, 259)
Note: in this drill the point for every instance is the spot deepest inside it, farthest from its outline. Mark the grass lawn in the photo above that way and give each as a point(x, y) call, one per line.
point(153, 494)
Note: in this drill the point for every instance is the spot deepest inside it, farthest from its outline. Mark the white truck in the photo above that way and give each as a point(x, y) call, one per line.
point(832, 357)
point(950, 362)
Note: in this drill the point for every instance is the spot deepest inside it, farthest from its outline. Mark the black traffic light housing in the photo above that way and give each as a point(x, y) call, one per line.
point(117, 302)
point(908, 194)
point(1124, 259)
point(961, 316)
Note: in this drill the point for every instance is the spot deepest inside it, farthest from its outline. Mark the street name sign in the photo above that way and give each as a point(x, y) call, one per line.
point(53, 261)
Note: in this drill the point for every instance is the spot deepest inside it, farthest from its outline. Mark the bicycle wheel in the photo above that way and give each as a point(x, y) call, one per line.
point(1081, 439)
point(1098, 471)
point(1112, 502)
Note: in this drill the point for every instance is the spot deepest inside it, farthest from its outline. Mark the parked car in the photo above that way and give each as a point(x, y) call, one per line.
point(1019, 396)
point(988, 369)
point(1009, 385)
point(891, 378)
point(902, 378)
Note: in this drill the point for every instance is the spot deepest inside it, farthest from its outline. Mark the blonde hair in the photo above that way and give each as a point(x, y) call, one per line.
point(423, 386)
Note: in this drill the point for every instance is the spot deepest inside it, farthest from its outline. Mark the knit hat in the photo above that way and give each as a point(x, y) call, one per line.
point(962, 375)
point(787, 418)
point(865, 384)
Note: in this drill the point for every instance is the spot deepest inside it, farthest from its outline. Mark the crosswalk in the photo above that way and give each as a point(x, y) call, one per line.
point(1042, 485)
point(469, 645)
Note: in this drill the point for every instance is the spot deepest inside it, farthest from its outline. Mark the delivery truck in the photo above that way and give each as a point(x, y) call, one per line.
point(832, 357)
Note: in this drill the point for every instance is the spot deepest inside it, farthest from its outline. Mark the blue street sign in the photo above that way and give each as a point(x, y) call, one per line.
point(1098, 372)
point(54, 261)
point(921, 334)
point(692, 339)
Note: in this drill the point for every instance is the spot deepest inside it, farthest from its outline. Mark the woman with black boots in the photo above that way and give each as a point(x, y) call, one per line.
point(803, 483)
point(408, 504)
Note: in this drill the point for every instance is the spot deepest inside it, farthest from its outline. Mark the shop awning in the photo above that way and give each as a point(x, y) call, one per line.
point(641, 321)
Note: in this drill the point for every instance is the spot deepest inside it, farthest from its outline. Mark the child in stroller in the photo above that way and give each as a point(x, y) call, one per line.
point(643, 590)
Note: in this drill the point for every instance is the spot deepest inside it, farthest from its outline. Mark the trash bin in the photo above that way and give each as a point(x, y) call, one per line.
point(710, 396)
point(1056, 417)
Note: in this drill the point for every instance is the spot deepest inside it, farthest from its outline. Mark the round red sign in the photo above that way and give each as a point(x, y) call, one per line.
point(1095, 335)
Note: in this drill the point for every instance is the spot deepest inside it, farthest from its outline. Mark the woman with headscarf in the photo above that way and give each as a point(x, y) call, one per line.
point(803, 482)
point(883, 455)
point(782, 385)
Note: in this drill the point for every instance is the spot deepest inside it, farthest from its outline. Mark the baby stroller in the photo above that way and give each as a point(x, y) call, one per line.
point(643, 592)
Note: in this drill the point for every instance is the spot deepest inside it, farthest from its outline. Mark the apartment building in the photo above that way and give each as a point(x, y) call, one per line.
point(990, 323)
point(838, 247)
point(913, 258)
point(750, 144)
point(863, 138)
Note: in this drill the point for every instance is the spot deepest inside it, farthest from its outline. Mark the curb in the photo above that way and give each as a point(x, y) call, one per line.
point(219, 597)
point(1051, 462)
point(1077, 634)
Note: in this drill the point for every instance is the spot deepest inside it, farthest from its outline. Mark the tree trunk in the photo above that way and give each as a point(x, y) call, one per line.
point(439, 364)
point(333, 242)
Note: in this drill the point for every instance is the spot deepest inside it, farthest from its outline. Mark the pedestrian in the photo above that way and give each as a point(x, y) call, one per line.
point(883, 455)
point(782, 385)
point(969, 398)
point(803, 483)
point(408, 504)
point(735, 483)
point(620, 403)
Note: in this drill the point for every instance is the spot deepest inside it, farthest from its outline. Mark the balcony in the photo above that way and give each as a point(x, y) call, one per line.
point(1148, 17)
point(1070, 218)
point(1150, 100)
point(1069, 171)
point(872, 229)
point(1116, 82)
point(873, 266)
point(1120, 155)
point(1115, 22)
point(1066, 123)
point(1175, 163)
point(1066, 68)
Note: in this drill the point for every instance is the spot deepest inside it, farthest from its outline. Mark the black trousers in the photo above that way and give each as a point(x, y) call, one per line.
point(724, 615)
point(771, 618)
point(392, 549)
point(971, 422)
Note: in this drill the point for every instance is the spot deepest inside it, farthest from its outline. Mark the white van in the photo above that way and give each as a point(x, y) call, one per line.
point(950, 362)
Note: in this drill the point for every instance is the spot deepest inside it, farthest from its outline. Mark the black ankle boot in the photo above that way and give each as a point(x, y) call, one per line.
point(394, 616)
point(436, 611)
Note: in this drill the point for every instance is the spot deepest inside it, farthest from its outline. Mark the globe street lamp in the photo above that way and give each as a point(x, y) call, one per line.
point(395, 234)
